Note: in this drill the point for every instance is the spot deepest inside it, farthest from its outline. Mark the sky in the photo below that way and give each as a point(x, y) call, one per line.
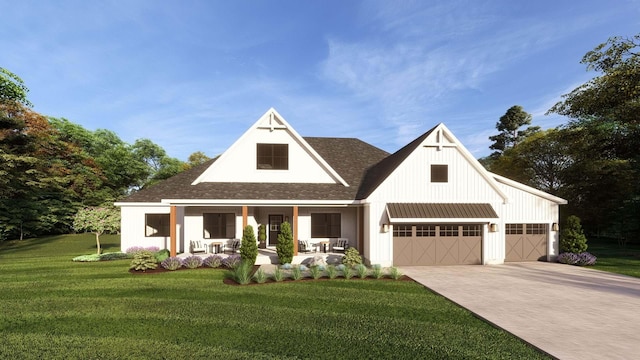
point(195, 75)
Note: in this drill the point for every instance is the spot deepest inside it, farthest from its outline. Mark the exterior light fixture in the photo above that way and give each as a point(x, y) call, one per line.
point(493, 227)
point(555, 227)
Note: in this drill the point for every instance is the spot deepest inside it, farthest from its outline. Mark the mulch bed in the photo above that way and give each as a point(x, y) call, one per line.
point(232, 282)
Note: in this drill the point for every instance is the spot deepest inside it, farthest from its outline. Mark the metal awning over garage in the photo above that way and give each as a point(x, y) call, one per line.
point(440, 212)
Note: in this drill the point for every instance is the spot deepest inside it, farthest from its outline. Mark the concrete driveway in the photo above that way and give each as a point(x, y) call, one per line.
point(566, 311)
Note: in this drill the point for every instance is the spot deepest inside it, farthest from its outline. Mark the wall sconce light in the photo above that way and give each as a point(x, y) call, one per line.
point(385, 228)
point(493, 227)
point(555, 227)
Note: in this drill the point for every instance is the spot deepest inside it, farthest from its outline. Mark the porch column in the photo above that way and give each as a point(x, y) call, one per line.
point(295, 230)
point(173, 233)
point(245, 216)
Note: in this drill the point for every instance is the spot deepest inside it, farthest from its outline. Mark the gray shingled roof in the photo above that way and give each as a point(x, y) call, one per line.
point(440, 211)
point(349, 157)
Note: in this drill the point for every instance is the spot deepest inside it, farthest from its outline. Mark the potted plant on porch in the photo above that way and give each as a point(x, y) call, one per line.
point(262, 236)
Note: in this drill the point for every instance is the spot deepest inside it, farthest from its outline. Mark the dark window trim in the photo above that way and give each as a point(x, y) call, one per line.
point(326, 225)
point(439, 173)
point(272, 156)
point(222, 228)
point(163, 227)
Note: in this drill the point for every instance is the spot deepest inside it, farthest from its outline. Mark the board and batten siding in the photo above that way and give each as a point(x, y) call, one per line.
point(379, 248)
point(133, 227)
point(411, 181)
point(348, 223)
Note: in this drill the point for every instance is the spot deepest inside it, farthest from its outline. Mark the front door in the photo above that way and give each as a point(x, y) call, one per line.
point(274, 228)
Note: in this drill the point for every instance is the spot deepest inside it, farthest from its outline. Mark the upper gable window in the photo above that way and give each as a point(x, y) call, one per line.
point(439, 173)
point(273, 156)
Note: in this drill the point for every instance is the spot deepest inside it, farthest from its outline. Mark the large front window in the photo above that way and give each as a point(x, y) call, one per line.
point(326, 226)
point(273, 156)
point(219, 226)
point(156, 225)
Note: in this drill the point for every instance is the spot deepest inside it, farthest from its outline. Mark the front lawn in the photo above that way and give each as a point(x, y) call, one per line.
point(54, 308)
point(614, 258)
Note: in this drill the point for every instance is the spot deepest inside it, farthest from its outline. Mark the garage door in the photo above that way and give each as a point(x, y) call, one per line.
point(437, 244)
point(526, 242)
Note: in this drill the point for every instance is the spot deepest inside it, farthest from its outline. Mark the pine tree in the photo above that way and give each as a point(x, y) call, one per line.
point(284, 248)
point(572, 239)
point(249, 248)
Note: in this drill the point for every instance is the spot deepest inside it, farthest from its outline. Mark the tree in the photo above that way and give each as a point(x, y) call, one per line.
point(572, 238)
point(615, 94)
point(160, 166)
point(197, 158)
point(12, 89)
point(509, 127)
point(97, 220)
point(249, 248)
point(284, 248)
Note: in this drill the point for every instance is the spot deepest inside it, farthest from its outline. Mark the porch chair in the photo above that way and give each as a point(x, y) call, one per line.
point(305, 246)
point(341, 245)
point(197, 246)
point(234, 248)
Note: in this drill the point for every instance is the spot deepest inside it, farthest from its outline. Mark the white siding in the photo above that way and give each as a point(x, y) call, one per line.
point(411, 181)
point(348, 223)
point(379, 249)
point(133, 227)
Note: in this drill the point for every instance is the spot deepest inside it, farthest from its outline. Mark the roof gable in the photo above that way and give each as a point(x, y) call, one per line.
point(238, 163)
point(438, 138)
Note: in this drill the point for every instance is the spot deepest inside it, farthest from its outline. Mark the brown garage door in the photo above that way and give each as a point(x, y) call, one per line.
point(437, 244)
point(526, 242)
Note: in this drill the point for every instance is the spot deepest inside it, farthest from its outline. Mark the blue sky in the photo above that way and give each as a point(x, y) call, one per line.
point(194, 75)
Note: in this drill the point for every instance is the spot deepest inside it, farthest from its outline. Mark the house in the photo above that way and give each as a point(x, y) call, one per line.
point(429, 203)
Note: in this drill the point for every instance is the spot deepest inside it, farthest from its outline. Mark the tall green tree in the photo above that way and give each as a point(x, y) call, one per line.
point(197, 158)
point(284, 247)
point(509, 127)
point(249, 247)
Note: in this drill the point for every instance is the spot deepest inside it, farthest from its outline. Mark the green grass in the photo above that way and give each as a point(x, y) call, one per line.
point(614, 258)
point(54, 308)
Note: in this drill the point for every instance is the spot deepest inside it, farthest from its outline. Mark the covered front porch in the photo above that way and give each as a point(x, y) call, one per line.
point(319, 225)
point(269, 256)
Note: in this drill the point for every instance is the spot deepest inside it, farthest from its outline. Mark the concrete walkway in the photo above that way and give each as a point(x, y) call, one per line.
point(567, 311)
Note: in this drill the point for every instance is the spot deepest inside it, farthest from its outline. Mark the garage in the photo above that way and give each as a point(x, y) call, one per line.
point(442, 244)
point(526, 242)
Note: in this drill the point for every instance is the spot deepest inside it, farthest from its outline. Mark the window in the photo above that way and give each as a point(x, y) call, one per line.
point(439, 173)
point(272, 156)
point(326, 225)
point(471, 230)
point(536, 229)
point(219, 226)
point(448, 230)
point(425, 230)
point(157, 225)
point(402, 230)
point(514, 229)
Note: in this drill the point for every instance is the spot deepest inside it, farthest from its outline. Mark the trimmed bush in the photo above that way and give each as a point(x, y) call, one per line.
point(351, 257)
point(586, 259)
point(231, 261)
point(143, 261)
point(582, 259)
point(87, 258)
point(192, 262)
point(171, 263)
point(113, 256)
point(284, 248)
point(572, 238)
point(161, 255)
point(213, 261)
point(249, 247)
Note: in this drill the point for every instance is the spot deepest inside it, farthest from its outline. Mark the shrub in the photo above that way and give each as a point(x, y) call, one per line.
point(213, 261)
point(572, 238)
point(113, 256)
point(332, 272)
point(143, 261)
point(351, 257)
point(568, 258)
point(171, 263)
point(284, 248)
point(296, 273)
point(303, 267)
point(260, 277)
point(287, 266)
point(395, 273)
point(192, 262)
point(347, 272)
point(341, 267)
point(162, 254)
point(377, 272)
point(241, 273)
point(315, 272)
point(278, 275)
point(249, 248)
point(362, 271)
point(87, 258)
point(582, 259)
point(134, 250)
point(586, 259)
point(231, 261)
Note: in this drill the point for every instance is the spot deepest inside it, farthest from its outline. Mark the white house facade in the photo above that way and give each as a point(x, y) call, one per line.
point(429, 203)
